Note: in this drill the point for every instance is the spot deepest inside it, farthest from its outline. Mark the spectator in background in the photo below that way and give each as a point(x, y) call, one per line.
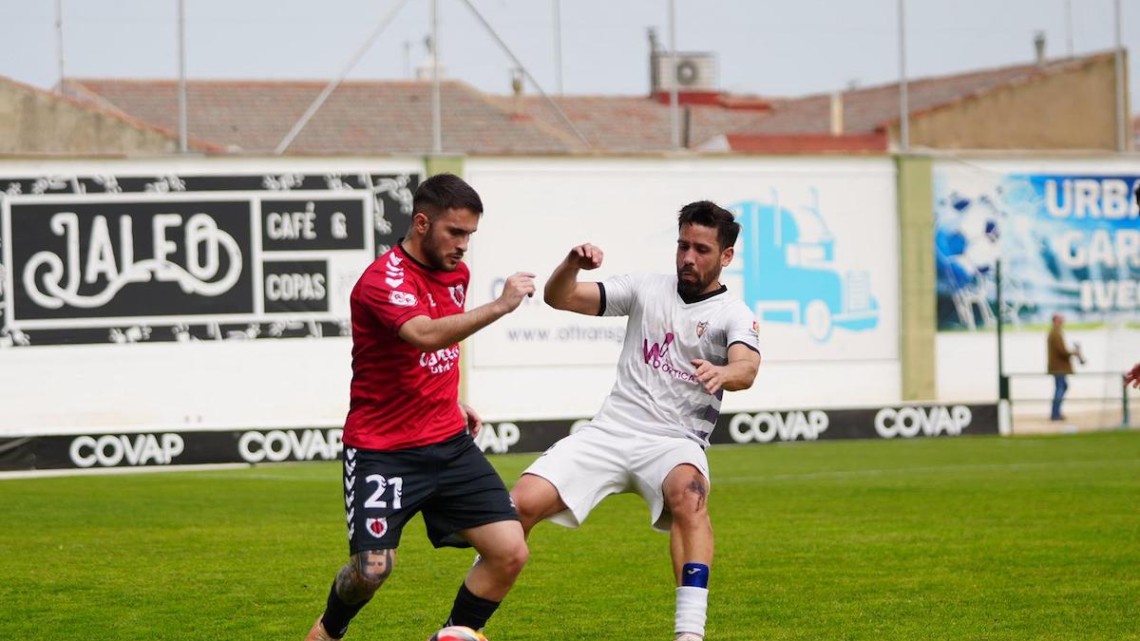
point(1060, 364)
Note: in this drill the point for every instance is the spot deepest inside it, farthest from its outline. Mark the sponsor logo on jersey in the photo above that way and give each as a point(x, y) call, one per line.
point(376, 527)
point(441, 360)
point(402, 299)
point(657, 357)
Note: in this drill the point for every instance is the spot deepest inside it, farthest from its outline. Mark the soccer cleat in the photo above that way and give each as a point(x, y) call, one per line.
point(688, 636)
point(318, 633)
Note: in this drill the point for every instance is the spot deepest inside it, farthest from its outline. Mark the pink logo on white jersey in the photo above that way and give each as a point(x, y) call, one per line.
point(657, 357)
point(654, 355)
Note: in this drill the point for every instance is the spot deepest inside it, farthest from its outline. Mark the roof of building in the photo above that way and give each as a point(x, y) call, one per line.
point(79, 105)
point(395, 117)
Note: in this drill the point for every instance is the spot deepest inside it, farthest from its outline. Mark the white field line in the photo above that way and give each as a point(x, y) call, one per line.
point(939, 469)
point(109, 471)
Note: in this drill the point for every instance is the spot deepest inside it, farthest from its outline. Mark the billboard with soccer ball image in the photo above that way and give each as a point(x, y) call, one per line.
point(1068, 240)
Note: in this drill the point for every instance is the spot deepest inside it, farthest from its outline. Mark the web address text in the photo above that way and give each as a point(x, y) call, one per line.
point(567, 334)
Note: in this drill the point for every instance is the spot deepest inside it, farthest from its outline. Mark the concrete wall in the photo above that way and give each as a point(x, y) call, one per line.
point(33, 121)
point(1070, 110)
point(840, 227)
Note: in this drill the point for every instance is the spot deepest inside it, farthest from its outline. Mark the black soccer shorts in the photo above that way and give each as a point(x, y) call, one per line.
point(451, 483)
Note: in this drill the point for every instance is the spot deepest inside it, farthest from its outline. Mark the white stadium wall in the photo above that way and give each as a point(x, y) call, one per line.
point(1068, 233)
point(817, 261)
point(190, 295)
point(246, 329)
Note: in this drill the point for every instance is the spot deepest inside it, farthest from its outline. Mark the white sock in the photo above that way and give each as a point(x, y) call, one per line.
point(692, 607)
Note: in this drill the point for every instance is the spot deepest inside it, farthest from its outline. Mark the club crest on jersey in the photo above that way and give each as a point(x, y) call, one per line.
point(457, 294)
point(376, 527)
point(702, 327)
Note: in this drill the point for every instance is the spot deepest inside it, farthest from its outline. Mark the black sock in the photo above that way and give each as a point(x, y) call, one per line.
point(338, 614)
point(470, 610)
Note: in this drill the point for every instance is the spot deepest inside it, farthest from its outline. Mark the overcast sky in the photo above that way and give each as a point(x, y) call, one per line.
point(768, 47)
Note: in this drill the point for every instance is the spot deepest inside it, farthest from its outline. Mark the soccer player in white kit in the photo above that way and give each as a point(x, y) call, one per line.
point(686, 342)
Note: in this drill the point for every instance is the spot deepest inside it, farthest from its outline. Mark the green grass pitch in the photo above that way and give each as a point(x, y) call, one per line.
point(981, 538)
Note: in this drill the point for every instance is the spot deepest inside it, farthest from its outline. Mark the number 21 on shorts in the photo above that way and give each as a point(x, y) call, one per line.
point(376, 499)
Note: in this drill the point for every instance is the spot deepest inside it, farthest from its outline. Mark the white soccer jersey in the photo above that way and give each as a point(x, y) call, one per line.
point(656, 390)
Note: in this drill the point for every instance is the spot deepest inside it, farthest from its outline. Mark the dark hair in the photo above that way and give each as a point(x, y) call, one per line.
point(445, 191)
point(708, 214)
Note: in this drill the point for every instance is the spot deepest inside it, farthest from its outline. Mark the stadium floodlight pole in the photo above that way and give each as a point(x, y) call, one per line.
point(518, 63)
point(436, 108)
point(333, 84)
point(904, 99)
point(1121, 117)
point(59, 39)
point(183, 120)
point(557, 9)
point(674, 111)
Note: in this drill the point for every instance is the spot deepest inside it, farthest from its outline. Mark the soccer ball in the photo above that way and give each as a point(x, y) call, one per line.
point(457, 633)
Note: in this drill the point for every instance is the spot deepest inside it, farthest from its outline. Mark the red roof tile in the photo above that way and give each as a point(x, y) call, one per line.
point(394, 117)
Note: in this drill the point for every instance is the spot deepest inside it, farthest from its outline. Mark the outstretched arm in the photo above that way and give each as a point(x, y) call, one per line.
point(563, 291)
point(429, 334)
point(737, 374)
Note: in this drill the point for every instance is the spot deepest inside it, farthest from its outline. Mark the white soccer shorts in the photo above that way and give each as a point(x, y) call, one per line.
point(595, 462)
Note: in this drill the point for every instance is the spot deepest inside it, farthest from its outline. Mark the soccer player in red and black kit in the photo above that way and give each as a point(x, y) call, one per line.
point(408, 440)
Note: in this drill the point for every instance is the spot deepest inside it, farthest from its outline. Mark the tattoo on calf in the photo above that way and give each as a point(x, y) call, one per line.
point(364, 574)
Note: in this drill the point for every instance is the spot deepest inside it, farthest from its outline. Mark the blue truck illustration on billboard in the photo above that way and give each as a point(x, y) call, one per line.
point(790, 274)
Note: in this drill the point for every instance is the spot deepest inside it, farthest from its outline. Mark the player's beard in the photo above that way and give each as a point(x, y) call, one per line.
point(698, 285)
point(434, 254)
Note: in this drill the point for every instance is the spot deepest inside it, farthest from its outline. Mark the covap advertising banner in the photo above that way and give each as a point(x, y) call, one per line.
point(816, 259)
point(1068, 239)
